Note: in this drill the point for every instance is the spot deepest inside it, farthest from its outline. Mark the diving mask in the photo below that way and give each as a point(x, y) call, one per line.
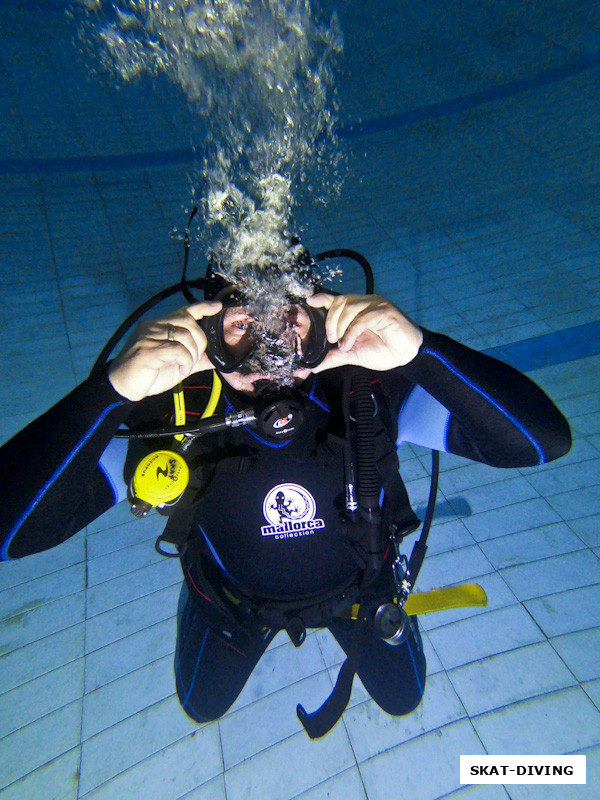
point(241, 341)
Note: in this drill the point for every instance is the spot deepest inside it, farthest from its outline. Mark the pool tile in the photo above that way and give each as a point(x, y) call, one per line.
point(592, 689)
point(271, 719)
point(125, 696)
point(131, 532)
point(14, 573)
point(446, 536)
point(528, 546)
point(457, 566)
point(524, 516)
point(491, 791)
point(567, 612)
point(499, 494)
point(279, 667)
point(31, 624)
point(126, 655)
point(55, 780)
point(345, 786)
point(509, 678)
point(125, 588)
point(577, 503)
point(40, 742)
point(557, 574)
point(588, 529)
point(190, 763)
point(581, 653)
point(121, 562)
point(211, 790)
point(125, 620)
point(131, 741)
point(41, 696)
point(556, 723)
point(267, 775)
point(407, 769)
point(484, 635)
point(33, 660)
point(372, 731)
point(20, 600)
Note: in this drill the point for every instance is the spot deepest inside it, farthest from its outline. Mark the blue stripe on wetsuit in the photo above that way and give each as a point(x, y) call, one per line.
point(423, 420)
point(52, 480)
point(482, 393)
point(214, 554)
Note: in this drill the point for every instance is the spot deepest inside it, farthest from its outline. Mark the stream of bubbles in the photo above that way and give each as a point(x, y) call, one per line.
point(259, 79)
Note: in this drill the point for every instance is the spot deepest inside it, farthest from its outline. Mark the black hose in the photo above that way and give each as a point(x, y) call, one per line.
point(420, 547)
point(184, 284)
point(133, 318)
point(367, 478)
point(343, 252)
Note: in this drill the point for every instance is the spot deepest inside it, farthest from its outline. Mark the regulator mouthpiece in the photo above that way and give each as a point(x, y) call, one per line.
point(280, 413)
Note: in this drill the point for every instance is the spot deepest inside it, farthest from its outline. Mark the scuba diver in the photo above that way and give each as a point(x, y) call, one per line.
point(291, 509)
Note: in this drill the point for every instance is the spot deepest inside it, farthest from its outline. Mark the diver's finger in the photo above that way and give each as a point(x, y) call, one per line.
point(320, 300)
point(333, 316)
point(351, 310)
point(190, 319)
point(161, 354)
point(179, 326)
point(367, 320)
point(334, 358)
point(187, 337)
point(206, 309)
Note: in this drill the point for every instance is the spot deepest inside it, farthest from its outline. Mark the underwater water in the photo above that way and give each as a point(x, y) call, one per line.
point(259, 81)
point(468, 139)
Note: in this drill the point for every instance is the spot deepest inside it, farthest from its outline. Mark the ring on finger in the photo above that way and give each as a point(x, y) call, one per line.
point(170, 333)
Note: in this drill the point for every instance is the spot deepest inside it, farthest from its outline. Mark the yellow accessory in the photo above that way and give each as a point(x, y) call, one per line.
point(179, 402)
point(160, 478)
point(215, 394)
point(461, 596)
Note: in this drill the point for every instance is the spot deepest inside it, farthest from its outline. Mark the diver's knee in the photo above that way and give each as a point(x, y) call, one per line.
point(201, 718)
point(401, 705)
point(201, 707)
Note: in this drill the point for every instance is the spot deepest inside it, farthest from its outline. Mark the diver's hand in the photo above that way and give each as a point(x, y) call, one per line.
point(369, 331)
point(162, 352)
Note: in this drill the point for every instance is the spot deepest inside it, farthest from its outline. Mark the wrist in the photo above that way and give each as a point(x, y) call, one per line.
point(119, 385)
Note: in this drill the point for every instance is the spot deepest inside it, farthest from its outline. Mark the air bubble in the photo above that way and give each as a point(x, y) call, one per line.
point(259, 78)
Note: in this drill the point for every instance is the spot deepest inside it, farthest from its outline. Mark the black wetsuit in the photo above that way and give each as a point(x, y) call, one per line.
point(264, 516)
